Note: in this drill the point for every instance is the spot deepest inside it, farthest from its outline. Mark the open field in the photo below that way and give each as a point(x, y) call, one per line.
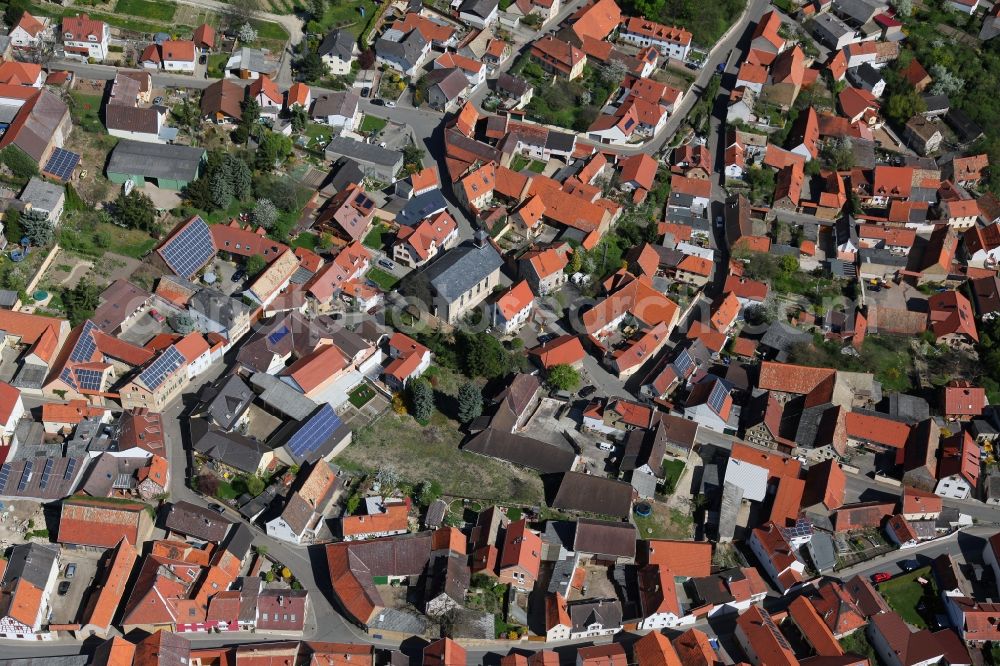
point(431, 453)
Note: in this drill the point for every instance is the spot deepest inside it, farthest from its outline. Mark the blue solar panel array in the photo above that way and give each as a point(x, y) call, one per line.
point(167, 362)
point(683, 362)
point(717, 397)
point(67, 376)
point(314, 432)
point(70, 468)
point(61, 164)
point(277, 336)
point(4, 475)
point(89, 380)
point(83, 350)
point(25, 476)
point(190, 249)
point(46, 472)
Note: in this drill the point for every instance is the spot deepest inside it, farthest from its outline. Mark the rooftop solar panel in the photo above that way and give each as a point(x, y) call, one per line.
point(278, 335)
point(683, 362)
point(70, 468)
point(61, 164)
point(166, 363)
point(717, 397)
point(4, 475)
point(314, 432)
point(67, 376)
point(25, 476)
point(89, 380)
point(85, 346)
point(46, 472)
point(190, 249)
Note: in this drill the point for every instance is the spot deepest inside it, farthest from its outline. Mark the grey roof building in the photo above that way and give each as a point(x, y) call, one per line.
point(280, 397)
point(228, 448)
point(454, 276)
point(31, 562)
point(342, 103)
point(210, 306)
point(420, 207)
point(45, 197)
point(830, 30)
point(225, 401)
point(481, 8)
point(444, 86)
point(405, 54)
point(779, 338)
point(338, 44)
point(345, 172)
point(198, 522)
point(252, 60)
point(605, 612)
point(513, 86)
point(170, 166)
point(375, 162)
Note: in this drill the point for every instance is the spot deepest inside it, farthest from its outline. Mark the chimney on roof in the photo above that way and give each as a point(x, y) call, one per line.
point(480, 239)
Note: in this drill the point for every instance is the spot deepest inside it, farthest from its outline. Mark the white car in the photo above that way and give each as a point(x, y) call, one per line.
point(390, 104)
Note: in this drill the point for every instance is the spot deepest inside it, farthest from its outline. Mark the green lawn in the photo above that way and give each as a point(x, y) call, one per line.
point(86, 112)
point(361, 395)
point(216, 64)
point(347, 14)
point(537, 166)
point(384, 280)
point(376, 237)
point(663, 523)
point(306, 240)
point(372, 124)
point(904, 594)
point(519, 162)
point(270, 30)
point(672, 470)
point(157, 11)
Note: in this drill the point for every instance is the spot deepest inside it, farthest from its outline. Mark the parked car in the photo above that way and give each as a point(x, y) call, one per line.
point(158, 99)
point(70, 570)
point(218, 508)
point(385, 263)
point(587, 391)
point(366, 92)
point(63, 588)
point(881, 577)
point(239, 275)
point(909, 565)
point(548, 337)
point(157, 316)
point(378, 102)
point(390, 104)
point(202, 59)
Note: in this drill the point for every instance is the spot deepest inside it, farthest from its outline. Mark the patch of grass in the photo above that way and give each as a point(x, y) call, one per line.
point(857, 644)
point(157, 11)
point(129, 242)
point(519, 162)
point(904, 594)
point(216, 64)
point(360, 396)
point(306, 240)
point(663, 523)
point(86, 112)
point(269, 30)
point(672, 470)
point(348, 14)
point(431, 454)
point(537, 166)
point(514, 514)
point(372, 124)
point(226, 491)
point(385, 281)
point(375, 238)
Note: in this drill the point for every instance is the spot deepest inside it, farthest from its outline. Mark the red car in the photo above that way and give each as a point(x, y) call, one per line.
point(881, 577)
point(157, 316)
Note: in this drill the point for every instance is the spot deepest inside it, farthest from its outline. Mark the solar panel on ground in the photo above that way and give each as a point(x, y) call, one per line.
point(70, 468)
point(46, 471)
point(314, 432)
point(190, 249)
point(61, 164)
point(169, 361)
point(25, 476)
point(4, 475)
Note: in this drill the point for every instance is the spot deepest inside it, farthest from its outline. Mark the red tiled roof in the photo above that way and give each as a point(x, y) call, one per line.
point(961, 398)
point(683, 558)
point(564, 350)
point(597, 20)
point(93, 522)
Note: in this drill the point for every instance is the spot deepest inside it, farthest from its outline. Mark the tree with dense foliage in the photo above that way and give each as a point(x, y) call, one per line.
point(413, 155)
point(299, 118)
point(428, 492)
point(246, 34)
point(309, 66)
point(19, 163)
point(945, 83)
point(272, 149)
point(12, 13)
point(81, 301)
point(37, 227)
point(421, 399)
point(135, 210)
point(182, 324)
point(221, 190)
point(281, 190)
point(761, 182)
point(904, 8)
point(254, 264)
point(470, 402)
point(264, 214)
point(484, 355)
point(902, 106)
point(837, 154)
point(563, 377)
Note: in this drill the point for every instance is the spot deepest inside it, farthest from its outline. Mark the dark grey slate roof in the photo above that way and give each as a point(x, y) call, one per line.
point(225, 400)
point(340, 146)
point(346, 172)
point(463, 267)
point(343, 103)
point(606, 612)
point(31, 562)
point(561, 141)
point(512, 85)
point(450, 81)
point(421, 207)
point(339, 43)
point(277, 394)
point(406, 52)
point(480, 8)
point(232, 449)
point(936, 103)
point(199, 522)
point(780, 337)
point(238, 541)
point(156, 160)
